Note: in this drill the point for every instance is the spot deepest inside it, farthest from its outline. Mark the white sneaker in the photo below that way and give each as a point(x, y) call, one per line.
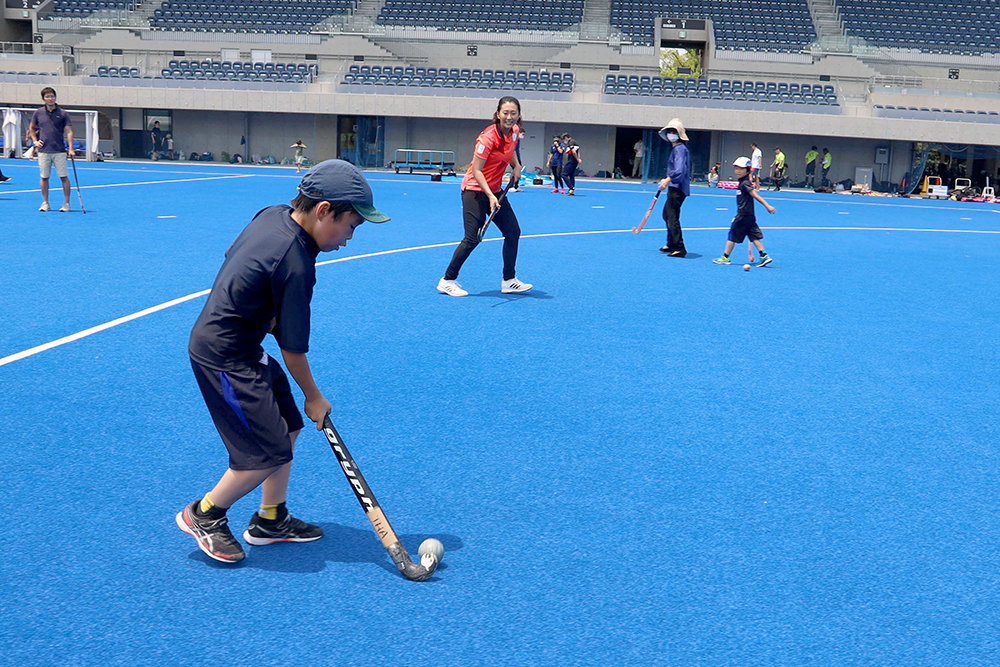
point(513, 286)
point(65, 208)
point(451, 288)
point(44, 206)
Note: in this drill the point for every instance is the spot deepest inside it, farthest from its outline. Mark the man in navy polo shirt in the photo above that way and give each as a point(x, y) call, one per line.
point(47, 128)
point(264, 287)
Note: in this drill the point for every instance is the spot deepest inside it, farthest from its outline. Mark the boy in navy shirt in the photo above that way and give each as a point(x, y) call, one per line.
point(265, 286)
point(745, 223)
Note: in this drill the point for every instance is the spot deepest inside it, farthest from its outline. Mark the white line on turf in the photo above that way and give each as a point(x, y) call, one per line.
point(118, 185)
point(100, 327)
point(163, 306)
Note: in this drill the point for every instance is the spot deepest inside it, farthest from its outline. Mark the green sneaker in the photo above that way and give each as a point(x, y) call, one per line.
point(722, 260)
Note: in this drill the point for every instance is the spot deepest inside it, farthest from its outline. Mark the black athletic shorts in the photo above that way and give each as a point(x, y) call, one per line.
point(811, 168)
point(743, 228)
point(254, 411)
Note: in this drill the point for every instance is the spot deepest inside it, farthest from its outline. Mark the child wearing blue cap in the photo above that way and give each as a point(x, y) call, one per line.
point(265, 287)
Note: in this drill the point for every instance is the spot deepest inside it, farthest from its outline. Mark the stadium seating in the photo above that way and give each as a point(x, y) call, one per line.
point(257, 16)
point(926, 113)
point(118, 72)
point(765, 25)
point(208, 70)
point(431, 77)
point(482, 15)
point(721, 89)
point(964, 27)
point(80, 8)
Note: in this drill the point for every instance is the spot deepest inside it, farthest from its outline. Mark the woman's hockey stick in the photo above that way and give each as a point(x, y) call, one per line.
point(636, 230)
point(503, 195)
point(410, 570)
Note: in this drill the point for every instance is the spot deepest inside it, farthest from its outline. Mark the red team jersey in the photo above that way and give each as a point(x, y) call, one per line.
point(498, 151)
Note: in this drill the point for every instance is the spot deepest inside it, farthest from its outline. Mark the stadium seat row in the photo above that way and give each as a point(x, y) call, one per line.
point(721, 89)
point(989, 115)
point(220, 71)
point(487, 15)
point(460, 78)
point(250, 75)
point(237, 66)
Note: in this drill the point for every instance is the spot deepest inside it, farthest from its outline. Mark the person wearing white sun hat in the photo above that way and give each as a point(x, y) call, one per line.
point(677, 183)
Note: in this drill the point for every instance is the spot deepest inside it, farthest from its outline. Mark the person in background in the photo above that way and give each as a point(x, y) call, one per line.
point(555, 163)
point(713, 175)
point(826, 164)
point(811, 167)
point(640, 151)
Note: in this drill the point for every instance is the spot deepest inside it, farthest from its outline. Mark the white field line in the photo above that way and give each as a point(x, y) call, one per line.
point(119, 185)
point(174, 302)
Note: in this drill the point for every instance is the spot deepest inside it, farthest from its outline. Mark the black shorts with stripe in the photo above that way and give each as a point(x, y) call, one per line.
point(254, 411)
point(743, 228)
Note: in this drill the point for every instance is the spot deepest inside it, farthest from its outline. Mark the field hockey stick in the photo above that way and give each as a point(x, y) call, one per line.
point(503, 195)
point(410, 570)
point(636, 230)
point(750, 248)
point(77, 179)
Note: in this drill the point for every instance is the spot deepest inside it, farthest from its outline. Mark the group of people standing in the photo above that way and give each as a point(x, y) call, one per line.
point(564, 158)
point(825, 162)
point(678, 185)
point(483, 199)
point(779, 166)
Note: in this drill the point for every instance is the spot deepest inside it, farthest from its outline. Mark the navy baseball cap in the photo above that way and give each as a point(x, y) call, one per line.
point(340, 181)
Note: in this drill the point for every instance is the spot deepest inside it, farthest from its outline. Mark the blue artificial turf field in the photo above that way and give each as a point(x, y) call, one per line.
point(643, 461)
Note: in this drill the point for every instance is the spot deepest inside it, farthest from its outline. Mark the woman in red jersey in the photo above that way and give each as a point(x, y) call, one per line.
point(481, 189)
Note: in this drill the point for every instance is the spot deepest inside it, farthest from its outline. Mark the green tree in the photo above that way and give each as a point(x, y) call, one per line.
point(671, 59)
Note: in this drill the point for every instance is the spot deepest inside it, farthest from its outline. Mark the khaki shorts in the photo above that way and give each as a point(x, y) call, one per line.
point(46, 160)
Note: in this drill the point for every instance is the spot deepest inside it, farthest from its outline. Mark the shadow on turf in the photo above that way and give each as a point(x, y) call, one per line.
point(531, 294)
point(340, 544)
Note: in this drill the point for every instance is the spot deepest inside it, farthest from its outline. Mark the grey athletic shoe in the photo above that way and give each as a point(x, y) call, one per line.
point(289, 529)
point(212, 535)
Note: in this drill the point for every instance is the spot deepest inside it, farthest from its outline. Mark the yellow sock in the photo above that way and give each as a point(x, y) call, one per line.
point(206, 504)
point(269, 512)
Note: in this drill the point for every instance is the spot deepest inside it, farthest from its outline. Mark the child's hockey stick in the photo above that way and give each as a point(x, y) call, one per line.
point(410, 570)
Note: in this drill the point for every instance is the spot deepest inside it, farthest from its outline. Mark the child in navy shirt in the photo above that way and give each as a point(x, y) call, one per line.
point(265, 287)
point(745, 223)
